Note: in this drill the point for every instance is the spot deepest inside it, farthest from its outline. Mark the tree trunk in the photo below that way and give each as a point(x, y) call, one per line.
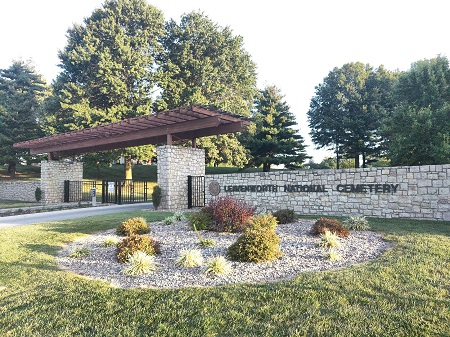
point(364, 160)
point(128, 168)
point(266, 167)
point(12, 169)
point(357, 161)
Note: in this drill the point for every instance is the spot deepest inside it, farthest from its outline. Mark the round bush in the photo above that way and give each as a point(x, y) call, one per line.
point(332, 225)
point(285, 216)
point(258, 243)
point(201, 219)
point(133, 226)
point(134, 243)
point(229, 214)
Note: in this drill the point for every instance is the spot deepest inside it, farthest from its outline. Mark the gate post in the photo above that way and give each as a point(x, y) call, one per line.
point(66, 190)
point(189, 192)
point(175, 164)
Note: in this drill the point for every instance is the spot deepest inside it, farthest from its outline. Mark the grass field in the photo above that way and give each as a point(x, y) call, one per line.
point(405, 292)
point(16, 204)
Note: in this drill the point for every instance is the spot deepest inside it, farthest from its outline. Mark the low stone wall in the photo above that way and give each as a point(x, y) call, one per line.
point(175, 164)
point(421, 192)
point(19, 190)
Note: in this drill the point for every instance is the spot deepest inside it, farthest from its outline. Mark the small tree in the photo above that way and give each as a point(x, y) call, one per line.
point(273, 141)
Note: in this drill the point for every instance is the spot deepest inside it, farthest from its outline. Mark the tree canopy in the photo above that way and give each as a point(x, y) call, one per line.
point(22, 90)
point(346, 112)
point(203, 63)
point(108, 69)
point(418, 129)
point(274, 141)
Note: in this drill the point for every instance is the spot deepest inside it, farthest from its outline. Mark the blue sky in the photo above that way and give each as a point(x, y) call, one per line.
point(294, 43)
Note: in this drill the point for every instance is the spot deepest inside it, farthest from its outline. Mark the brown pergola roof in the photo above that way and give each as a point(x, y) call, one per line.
point(182, 123)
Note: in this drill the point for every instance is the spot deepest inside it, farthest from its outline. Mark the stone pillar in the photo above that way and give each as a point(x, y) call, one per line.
point(175, 164)
point(53, 174)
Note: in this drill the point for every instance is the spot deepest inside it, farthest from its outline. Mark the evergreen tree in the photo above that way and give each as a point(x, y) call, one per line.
point(203, 63)
point(21, 93)
point(273, 141)
point(107, 69)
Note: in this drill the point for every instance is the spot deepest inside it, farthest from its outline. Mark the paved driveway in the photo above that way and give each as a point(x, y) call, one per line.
point(26, 219)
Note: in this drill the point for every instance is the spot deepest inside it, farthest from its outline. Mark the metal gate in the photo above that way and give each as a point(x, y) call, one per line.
point(76, 191)
point(124, 191)
point(196, 191)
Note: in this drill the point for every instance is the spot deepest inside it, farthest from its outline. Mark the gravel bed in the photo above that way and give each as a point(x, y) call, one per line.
point(300, 254)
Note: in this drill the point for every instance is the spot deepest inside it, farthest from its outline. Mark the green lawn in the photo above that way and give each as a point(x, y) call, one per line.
point(16, 204)
point(405, 292)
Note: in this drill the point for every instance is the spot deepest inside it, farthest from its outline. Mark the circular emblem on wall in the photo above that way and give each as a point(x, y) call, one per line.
point(214, 188)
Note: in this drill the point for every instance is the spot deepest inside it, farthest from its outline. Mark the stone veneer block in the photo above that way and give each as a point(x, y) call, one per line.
point(175, 164)
point(422, 192)
point(53, 174)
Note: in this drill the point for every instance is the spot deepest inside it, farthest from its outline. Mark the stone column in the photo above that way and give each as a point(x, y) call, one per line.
point(53, 174)
point(175, 164)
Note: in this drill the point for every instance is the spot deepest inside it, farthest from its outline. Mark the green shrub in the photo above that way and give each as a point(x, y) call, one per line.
point(229, 214)
point(329, 240)
point(190, 258)
point(178, 216)
point(140, 263)
point(134, 243)
point(38, 194)
point(285, 216)
point(109, 241)
point(169, 221)
point(156, 196)
point(258, 243)
point(80, 252)
point(201, 219)
point(357, 223)
point(133, 226)
point(218, 265)
point(333, 256)
point(262, 221)
point(334, 226)
point(206, 242)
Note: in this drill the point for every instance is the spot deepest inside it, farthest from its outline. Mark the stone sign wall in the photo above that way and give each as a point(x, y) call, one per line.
point(175, 164)
point(421, 192)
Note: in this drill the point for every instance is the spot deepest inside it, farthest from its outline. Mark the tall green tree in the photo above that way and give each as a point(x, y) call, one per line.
point(203, 63)
point(418, 129)
point(108, 69)
point(274, 141)
point(346, 112)
point(22, 91)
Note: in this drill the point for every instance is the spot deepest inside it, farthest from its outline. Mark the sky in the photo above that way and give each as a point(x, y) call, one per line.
point(295, 44)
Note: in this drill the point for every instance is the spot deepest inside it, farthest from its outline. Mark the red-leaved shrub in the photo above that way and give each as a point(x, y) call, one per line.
point(229, 214)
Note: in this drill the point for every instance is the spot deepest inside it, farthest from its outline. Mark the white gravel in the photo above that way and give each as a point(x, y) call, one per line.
point(300, 254)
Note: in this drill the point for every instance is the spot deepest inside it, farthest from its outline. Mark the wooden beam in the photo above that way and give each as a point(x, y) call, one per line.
point(209, 122)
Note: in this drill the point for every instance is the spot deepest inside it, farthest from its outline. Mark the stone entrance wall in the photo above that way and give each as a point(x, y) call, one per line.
point(53, 174)
point(421, 192)
point(175, 164)
point(19, 190)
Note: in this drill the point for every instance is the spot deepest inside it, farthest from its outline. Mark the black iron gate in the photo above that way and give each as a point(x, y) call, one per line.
point(76, 191)
point(124, 191)
point(196, 191)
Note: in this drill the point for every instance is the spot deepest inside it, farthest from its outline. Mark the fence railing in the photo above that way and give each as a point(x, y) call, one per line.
point(124, 191)
point(76, 191)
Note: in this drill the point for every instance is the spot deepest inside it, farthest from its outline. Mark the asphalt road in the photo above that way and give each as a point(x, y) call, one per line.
point(27, 219)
